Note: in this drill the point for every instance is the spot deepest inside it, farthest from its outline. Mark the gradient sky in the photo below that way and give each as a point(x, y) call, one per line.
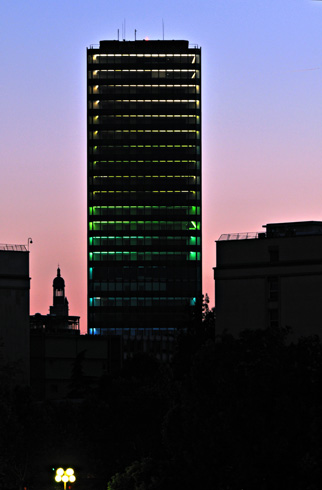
point(262, 120)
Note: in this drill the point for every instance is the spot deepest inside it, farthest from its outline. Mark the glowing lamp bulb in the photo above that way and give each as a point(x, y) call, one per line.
point(69, 471)
point(60, 472)
point(65, 478)
point(58, 478)
point(72, 478)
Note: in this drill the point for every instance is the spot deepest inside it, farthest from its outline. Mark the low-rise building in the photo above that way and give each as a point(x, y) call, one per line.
point(58, 320)
point(64, 363)
point(273, 278)
point(14, 311)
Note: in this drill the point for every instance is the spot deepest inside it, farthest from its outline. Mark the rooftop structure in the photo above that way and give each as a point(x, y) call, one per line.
point(13, 248)
point(58, 320)
point(271, 278)
point(295, 228)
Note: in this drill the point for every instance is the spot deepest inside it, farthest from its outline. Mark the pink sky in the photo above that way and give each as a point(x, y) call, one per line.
point(262, 120)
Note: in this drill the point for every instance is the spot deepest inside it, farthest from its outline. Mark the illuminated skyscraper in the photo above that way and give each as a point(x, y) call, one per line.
point(144, 184)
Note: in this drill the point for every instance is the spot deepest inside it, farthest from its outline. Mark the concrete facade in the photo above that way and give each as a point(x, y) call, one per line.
point(270, 279)
point(14, 310)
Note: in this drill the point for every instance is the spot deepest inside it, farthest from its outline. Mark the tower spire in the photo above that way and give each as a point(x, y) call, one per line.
point(60, 303)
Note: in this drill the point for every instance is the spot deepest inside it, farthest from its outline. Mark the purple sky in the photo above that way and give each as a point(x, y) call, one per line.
point(262, 120)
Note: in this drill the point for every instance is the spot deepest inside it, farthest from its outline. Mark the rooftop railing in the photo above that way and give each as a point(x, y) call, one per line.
point(14, 248)
point(239, 236)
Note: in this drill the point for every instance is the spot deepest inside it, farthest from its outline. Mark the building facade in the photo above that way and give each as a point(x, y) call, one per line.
point(54, 357)
point(270, 279)
point(144, 184)
point(14, 311)
point(57, 350)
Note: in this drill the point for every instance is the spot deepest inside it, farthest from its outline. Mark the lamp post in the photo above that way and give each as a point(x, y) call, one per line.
point(65, 476)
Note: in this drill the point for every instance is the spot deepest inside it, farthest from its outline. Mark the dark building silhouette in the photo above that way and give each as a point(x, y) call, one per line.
point(58, 319)
point(270, 279)
point(60, 303)
point(144, 185)
point(53, 357)
point(56, 347)
point(14, 310)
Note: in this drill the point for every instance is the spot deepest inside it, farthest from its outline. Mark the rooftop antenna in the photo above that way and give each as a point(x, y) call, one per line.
point(162, 29)
point(124, 29)
point(118, 34)
point(135, 34)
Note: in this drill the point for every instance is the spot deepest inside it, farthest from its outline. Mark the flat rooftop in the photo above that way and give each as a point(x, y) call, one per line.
point(144, 46)
point(278, 230)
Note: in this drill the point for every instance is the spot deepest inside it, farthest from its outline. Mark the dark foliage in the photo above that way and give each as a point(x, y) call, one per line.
point(243, 414)
point(228, 414)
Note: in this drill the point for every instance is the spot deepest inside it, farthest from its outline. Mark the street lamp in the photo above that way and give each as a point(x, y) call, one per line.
point(65, 476)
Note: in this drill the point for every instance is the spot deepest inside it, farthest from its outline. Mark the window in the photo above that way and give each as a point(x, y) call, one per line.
point(273, 288)
point(273, 254)
point(273, 317)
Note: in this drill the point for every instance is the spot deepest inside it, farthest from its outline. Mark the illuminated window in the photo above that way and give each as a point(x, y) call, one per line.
point(143, 182)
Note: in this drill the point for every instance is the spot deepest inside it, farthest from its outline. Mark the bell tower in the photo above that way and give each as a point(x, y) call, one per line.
point(60, 302)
